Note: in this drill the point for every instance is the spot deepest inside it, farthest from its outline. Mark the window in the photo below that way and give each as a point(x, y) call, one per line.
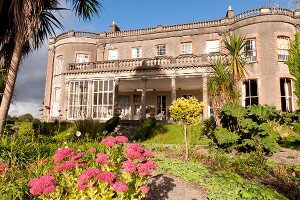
point(212, 46)
point(161, 50)
point(55, 106)
point(58, 65)
point(283, 48)
point(186, 96)
point(137, 104)
point(78, 99)
point(113, 54)
point(136, 53)
point(286, 91)
point(250, 92)
point(250, 50)
point(186, 48)
point(103, 99)
point(82, 58)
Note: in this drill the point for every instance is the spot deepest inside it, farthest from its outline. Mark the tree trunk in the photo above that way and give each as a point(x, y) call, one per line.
point(186, 143)
point(10, 83)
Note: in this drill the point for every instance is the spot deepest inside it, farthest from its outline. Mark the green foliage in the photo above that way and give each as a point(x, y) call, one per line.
point(45, 128)
point(225, 138)
point(293, 63)
point(221, 87)
point(234, 46)
point(221, 185)
point(89, 128)
point(111, 124)
point(146, 129)
point(227, 185)
point(26, 118)
point(186, 111)
point(247, 129)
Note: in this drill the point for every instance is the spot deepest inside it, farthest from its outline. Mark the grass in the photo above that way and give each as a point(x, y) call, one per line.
point(24, 127)
point(221, 184)
point(173, 134)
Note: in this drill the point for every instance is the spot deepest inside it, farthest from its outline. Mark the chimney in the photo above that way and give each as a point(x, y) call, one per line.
point(230, 12)
point(114, 27)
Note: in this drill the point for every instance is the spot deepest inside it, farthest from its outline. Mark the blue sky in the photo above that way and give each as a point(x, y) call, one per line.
point(129, 14)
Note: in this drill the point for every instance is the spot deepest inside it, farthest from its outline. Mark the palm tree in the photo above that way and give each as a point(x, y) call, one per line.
point(234, 47)
point(25, 24)
point(221, 86)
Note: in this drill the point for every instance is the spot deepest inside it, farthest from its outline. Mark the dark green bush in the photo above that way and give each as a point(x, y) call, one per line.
point(246, 129)
point(89, 128)
point(111, 124)
point(26, 118)
point(45, 128)
point(224, 138)
point(145, 129)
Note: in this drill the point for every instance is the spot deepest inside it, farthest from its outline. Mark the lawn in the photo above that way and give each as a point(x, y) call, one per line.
point(165, 133)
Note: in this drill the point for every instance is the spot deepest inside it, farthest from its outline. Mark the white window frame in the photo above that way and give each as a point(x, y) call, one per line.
point(186, 48)
point(58, 65)
point(161, 50)
point(212, 46)
point(78, 99)
point(283, 43)
point(113, 54)
point(136, 52)
point(250, 97)
point(55, 102)
point(82, 58)
point(103, 99)
point(288, 94)
point(250, 50)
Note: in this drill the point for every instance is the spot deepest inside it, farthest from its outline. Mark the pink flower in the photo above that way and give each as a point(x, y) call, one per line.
point(144, 189)
point(92, 150)
point(102, 158)
point(2, 172)
point(121, 139)
point(42, 185)
point(84, 181)
point(108, 177)
point(135, 147)
point(31, 165)
point(120, 187)
point(148, 154)
point(109, 142)
point(133, 154)
point(77, 156)
point(145, 169)
point(63, 153)
point(129, 166)
point(3, 165)
point(65, 166)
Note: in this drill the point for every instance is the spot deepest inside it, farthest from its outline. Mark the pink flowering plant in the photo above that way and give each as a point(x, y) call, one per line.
point(117, 171)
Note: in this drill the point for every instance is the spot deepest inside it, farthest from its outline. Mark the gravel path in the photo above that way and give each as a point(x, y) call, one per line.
point(164, 186)
point(286, 156)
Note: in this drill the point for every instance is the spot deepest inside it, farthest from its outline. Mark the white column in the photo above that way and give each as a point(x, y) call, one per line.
point(90, 99)
point(144, 91)
point(205, 97)
point(173, 86)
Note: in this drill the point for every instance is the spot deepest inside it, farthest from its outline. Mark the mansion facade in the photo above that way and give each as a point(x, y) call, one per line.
point(89, 74)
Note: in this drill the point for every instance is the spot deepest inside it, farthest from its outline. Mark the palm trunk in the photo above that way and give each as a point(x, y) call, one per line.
point(186, 143)
point(10, 83)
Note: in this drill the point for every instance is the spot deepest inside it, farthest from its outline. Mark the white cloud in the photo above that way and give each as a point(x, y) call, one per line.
point(20, 108)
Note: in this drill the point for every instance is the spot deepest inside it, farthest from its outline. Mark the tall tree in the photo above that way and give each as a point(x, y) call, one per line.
point(234, 48)
point(293, 63)
point(25, 24)
point(221, 86)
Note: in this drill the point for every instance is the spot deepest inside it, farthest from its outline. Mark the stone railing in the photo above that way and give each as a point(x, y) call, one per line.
point(134, 64)
point(213, 23)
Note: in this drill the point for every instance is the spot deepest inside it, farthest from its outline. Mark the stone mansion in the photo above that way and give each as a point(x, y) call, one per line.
point(89, 73)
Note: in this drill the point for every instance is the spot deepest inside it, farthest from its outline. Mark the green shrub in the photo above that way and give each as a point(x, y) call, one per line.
point(111, 124)
point(26, 118)
point(89, 128)
point(225, 138)
point(145, 129)
point(296, 127)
